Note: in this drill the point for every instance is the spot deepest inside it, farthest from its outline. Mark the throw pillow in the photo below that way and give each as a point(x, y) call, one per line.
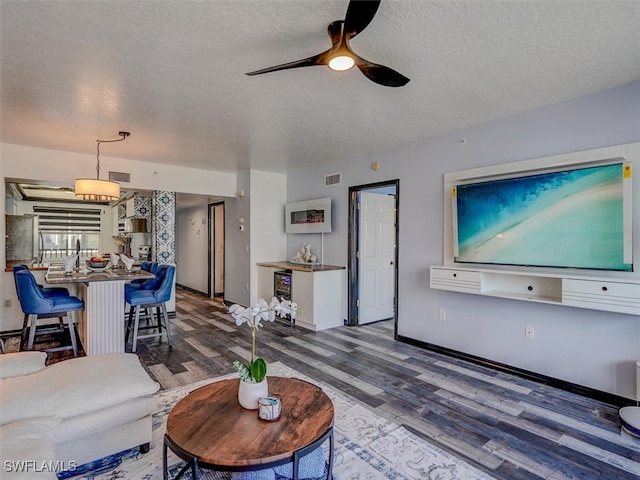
point(21, 363)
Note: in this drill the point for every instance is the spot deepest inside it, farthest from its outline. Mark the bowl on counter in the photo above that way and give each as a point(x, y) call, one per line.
point(95, 266)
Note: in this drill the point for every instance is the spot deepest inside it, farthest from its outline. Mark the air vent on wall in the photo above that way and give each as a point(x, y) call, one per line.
point(119, 177)
point(333, 179)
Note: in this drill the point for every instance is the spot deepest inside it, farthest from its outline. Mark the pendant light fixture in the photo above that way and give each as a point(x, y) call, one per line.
point(97, 190)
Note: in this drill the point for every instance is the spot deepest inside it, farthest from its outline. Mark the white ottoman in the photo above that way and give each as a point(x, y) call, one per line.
point(104, 402)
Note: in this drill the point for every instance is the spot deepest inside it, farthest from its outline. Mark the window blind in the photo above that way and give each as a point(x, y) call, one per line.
point(68, 220)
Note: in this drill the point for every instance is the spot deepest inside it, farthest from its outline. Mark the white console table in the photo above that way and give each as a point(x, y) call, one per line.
point(608, 291)
point(318, 290)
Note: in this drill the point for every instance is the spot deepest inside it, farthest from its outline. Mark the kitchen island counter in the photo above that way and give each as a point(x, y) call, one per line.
point(101, 327)
point(56, 275)
point(44, 267)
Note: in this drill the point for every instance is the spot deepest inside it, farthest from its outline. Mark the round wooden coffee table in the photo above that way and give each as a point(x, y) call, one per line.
point(208, 428)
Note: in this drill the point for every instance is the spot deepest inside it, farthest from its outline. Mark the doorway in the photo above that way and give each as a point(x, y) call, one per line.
point(216, 250)
point(373, 253)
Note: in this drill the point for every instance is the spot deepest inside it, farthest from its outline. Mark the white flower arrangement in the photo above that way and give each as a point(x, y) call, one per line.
point(256, 370)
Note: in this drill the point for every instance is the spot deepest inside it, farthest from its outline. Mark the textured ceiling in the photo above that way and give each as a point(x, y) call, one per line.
point(172, 73)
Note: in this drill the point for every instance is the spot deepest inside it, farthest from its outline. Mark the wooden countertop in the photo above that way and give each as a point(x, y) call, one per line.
point(300, 267)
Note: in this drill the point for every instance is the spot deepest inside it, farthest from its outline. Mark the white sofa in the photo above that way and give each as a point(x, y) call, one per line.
point(77, 410)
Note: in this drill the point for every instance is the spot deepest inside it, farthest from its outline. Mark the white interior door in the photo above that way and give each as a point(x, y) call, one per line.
point(376, 257)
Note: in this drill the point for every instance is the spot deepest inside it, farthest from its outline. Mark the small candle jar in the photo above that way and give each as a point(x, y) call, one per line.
point(269, 408)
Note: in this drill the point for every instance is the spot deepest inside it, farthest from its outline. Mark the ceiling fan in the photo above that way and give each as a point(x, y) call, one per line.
point(340, 57)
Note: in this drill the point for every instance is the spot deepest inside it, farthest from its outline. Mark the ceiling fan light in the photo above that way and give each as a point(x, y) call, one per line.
point(341, 63)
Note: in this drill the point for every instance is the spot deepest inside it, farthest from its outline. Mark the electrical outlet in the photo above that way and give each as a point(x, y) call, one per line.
point(443, 315)
point(528, 332)
point(7, 303)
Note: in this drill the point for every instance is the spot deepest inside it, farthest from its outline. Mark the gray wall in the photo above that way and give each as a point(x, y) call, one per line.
point(192, 247)
point(237, 267)
point(590, 348)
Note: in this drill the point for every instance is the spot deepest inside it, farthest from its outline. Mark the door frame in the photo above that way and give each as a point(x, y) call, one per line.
point(211, 254)
point(353, 244)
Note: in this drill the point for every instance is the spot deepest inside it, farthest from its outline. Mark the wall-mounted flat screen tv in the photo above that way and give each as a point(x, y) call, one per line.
point(573, 218)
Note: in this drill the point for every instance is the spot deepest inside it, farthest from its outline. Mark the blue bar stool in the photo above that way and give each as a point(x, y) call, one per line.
point(47, 292)
point(148, 284)
point(36, 305)
point(148, 267)
point(145, 284)
point(144, 298)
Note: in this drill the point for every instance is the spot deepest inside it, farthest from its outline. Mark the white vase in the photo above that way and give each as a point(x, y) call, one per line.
point(249, 393)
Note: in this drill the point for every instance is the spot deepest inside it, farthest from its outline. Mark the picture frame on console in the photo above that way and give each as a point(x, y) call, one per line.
point(309, 216)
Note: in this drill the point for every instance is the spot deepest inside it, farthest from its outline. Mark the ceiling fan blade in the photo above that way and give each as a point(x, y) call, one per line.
point(381, 74)
point(305, 62)
point(359, 15)
point(335, 32)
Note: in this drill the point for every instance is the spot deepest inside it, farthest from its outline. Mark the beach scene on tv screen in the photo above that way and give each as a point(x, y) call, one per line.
point(572, 218)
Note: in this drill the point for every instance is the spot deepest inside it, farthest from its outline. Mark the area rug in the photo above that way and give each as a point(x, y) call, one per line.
point(367, 446)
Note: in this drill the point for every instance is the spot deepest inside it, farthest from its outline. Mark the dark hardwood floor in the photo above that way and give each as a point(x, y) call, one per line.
point(507, 426)
point(510, 427)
